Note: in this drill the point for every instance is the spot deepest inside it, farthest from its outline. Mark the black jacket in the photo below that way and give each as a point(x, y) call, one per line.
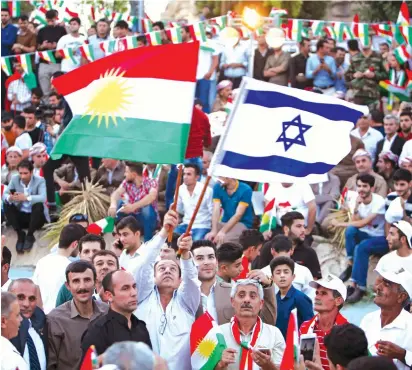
point(38, 321)
point(396, 147)
point(112, 328)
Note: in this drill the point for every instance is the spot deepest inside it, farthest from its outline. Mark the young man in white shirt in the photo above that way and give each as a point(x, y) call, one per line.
point(18, 92)
point(23, 139)
point(400, 244)
point(71, 41)
point(364, 236)
point(189, 194)
point(49, 274)
point(389, 330)
point(281, 245)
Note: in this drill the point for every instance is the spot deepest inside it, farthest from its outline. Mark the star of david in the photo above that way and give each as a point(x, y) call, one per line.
point(299, 139)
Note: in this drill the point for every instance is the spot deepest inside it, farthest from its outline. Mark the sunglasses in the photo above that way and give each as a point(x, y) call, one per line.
point(79, 218)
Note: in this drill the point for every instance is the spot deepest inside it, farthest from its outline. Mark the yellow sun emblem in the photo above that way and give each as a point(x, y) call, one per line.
point(110, 98)
point(206, 347)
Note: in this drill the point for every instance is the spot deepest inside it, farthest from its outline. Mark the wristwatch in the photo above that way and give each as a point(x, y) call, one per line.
point(268, 285)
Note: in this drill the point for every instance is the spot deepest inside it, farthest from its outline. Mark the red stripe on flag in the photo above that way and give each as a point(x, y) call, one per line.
point(200, 328)
point(147, 62)
point(270, 205)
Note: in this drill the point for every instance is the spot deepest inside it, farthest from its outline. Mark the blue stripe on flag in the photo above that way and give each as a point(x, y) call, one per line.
point(273, 99)
point(274, 163)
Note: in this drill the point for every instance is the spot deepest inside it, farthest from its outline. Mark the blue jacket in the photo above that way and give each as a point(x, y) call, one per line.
point(8, 39)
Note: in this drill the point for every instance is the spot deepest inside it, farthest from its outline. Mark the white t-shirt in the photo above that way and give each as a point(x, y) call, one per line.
point(50, 276)
point(205, 59)
point(392, 262)
point(377, 205)
point(23, 141)
point(68, 41)
point(293, 198)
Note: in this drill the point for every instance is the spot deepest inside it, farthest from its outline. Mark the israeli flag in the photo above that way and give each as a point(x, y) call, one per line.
point(277, 133)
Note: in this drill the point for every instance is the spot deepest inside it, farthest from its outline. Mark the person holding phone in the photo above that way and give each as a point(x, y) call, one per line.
point(248, 338)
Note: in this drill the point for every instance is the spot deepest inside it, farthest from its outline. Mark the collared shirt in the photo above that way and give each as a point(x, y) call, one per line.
point(281, 60)
point(112, 328)
point(65, 330)
point(208, 301)
point(48, 139)
point(270, 337)
point(38, 343)
point(399, 332)
point(312, 326)
point(129, 261)
point(8, 39)
point(236, 54)
point(293, 299)
point(187, 202)
point(95, 41)
point(26, 205)
point(22, 92)
point(370, 139)
point(298, 67)
point(387, 144)
point(169, 329)
point(229, 203)
point(5, 287)
point(136, 194)
point(323, 78)
point(340, 82)
point(10, 358)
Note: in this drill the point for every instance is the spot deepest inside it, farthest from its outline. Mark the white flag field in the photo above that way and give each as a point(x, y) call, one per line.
point(277, 133)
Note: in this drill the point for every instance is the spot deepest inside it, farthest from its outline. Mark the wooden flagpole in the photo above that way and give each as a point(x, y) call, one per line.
point(176, 197)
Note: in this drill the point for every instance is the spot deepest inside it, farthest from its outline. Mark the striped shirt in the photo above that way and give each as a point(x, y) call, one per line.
point(312, 326)
point(392, 213)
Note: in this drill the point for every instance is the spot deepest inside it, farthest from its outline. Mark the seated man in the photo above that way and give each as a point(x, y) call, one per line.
point(235, 199)
point(110, 174)
point(364, 236)
point(386, 165)
point(142, 194)
point(24, 201)
point(246, 325)
point(189, 195)
point(67, 178)
point(38, 155)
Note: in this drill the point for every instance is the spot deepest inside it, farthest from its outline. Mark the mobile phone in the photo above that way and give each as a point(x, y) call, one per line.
point(12, 191)
point(307, 346)
point(264, 350)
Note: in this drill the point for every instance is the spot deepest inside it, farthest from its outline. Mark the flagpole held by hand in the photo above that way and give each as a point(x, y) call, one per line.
point(174, 205)
point(199, 202)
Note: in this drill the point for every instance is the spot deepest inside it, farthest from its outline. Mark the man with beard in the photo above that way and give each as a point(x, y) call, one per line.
point(68, 322)
point(386, 165)
point(329, 299)
point(215, 294)
point(405, 120)
point(364, 236)
point(6, 128)
point(389, 330)
point(400, 244)
point(246, 332)
point(119, 324)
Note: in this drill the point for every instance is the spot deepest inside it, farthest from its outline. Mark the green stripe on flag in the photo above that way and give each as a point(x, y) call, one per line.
point(131, 139)
point(6, 66)
point(216, 355)
point(71, 55)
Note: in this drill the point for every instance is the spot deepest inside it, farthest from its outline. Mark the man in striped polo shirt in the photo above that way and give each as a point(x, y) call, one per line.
point(330, 297)
point(398, 204)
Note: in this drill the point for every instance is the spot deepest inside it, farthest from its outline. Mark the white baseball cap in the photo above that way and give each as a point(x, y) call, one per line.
point(406, 228)
point(331, 282)
point(401, 277)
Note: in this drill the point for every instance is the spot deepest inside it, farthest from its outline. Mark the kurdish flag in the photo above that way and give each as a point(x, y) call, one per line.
point(115, 105)
point(207, 343)
point(90, 360)
point(291, 354)
point(105, 225)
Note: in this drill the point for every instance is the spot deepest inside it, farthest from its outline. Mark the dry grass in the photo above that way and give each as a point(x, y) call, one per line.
point(341, 215)
point(91, 201)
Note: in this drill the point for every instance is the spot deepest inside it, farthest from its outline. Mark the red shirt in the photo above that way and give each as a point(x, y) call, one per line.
point(199, 135)
point(312, 326)
point(406, 138)
point(245, 271)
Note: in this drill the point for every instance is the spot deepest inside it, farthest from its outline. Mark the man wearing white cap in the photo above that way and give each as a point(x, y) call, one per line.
point(38, 155)
point(389, 330)
point(329, 299)
point(400, 243)
point(363, 164)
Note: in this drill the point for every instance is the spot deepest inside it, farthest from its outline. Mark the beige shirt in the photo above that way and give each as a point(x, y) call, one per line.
point(65, 330)
point(282, 60)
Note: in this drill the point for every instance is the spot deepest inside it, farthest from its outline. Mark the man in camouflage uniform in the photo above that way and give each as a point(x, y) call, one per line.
point(363, 76)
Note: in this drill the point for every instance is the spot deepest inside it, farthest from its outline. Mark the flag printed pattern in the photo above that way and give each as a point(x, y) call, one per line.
point(25, 61)
point(274, 152)
point(114, 102)
point(402, 53)
point(90, 360)
point(105, 225)
point(277, 12)
point(6, 66)
point(403, 16)
point(402, 93)
point(291, 354)
point(295, 28)
point(207, 343)
point(174, 35)
point(154, 38)
point(108, 46)
point(198, 32)
point(131, 42)
point(47, 55)
point(318, 28)
point(68, 53)
point(146, 25)
point(268, 222)
point(87, 52)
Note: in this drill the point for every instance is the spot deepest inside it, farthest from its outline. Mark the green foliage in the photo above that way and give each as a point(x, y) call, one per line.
point(214, 7)
point(313, 9)
point(380, 11)
point(120, 6)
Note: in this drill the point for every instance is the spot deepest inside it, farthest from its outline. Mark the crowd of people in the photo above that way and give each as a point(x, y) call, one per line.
point(136, 299)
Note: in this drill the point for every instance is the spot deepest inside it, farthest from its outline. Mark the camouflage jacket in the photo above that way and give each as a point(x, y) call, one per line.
point(366, 87)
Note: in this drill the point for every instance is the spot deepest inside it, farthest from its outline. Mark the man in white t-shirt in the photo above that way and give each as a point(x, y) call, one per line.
point(369, 135)
point(297, 197)
point(400, 244)
point(23, 139)
point(71, 41)
point(364, 236)
point(50, 270)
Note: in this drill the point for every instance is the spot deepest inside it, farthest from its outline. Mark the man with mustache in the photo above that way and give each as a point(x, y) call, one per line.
point(68, 322)
point(364, 235)
point(248, 339)
point(119, 324)
point(389, 330)
point(329, 299)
